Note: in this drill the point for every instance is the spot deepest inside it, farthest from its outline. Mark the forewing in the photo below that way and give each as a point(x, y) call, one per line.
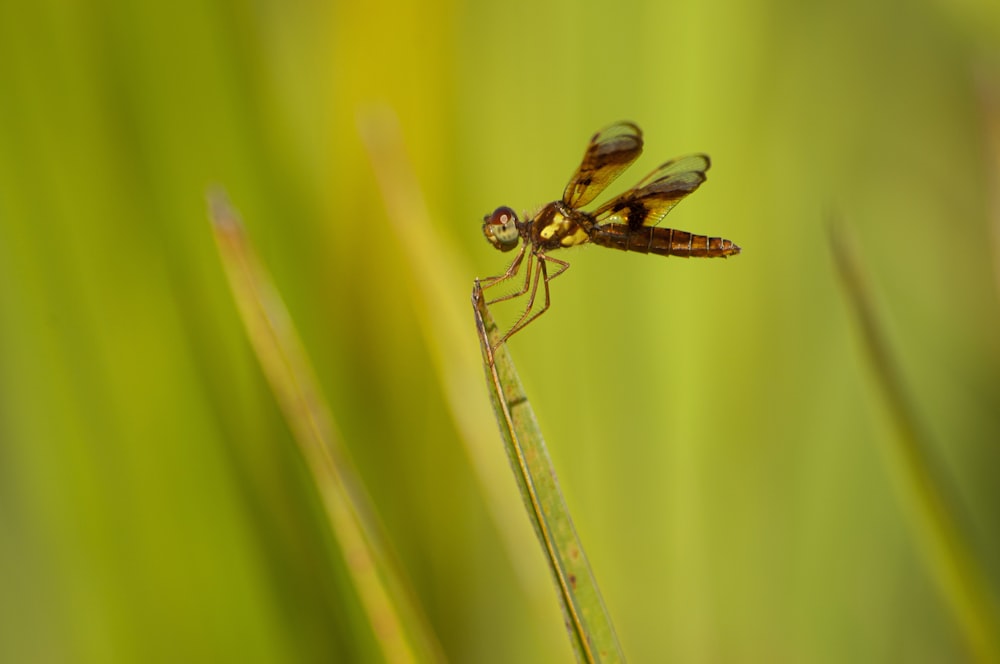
point(611, 151)
point(656, 194)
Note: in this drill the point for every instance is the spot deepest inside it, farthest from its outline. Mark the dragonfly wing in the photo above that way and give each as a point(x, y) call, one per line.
point(610, 152)
point(656, 194)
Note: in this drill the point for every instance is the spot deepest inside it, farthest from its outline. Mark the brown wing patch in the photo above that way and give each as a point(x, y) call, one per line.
point(610, 152)
point(656, 194)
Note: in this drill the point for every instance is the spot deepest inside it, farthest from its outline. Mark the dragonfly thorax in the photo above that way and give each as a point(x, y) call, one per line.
point(557, 225)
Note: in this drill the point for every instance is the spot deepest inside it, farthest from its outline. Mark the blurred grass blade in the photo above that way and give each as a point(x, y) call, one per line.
point(590, 629)
point(926, 495)
point(989, 111)
point(435, 273)
point(398, 626)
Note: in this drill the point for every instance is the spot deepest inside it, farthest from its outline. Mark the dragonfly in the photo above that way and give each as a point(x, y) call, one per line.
point(627, 222)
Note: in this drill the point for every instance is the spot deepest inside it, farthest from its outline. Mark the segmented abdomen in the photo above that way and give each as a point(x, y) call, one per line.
point(662, 241)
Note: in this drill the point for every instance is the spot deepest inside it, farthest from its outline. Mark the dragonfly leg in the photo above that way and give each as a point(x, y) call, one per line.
point(512, 269)
point(563, 266)
point(524, 289)
point(542, 274)
point(527, 316)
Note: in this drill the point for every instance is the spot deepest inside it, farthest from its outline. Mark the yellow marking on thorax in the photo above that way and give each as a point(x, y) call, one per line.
point(558, 224)
point(565, 230)
point(579, 236)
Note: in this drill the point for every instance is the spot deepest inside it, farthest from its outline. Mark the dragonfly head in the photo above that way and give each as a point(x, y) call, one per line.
point(500, 228)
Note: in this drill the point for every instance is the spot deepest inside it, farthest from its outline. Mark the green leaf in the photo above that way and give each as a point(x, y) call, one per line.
point(591, 632)
point(925, 491)
point(398, 626)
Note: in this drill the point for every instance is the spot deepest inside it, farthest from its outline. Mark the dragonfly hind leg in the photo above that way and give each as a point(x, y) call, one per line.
point(541, 274)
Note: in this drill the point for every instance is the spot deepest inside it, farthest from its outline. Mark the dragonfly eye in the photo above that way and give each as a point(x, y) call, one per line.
point(500, 228)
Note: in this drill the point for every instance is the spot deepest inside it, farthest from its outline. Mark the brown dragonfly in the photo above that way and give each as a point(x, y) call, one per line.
point(627, 222)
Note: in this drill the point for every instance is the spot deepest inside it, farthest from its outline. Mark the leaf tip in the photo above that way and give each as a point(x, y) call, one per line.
point(224, 217)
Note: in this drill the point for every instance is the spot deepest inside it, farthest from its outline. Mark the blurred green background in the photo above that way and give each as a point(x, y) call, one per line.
point(731, 487)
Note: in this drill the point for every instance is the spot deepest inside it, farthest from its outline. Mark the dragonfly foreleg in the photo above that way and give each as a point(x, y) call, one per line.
point(511, 271)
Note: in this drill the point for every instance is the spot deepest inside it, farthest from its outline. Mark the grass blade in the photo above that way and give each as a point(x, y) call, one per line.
point(399, 629)
point(925, 493)
point(590, 629)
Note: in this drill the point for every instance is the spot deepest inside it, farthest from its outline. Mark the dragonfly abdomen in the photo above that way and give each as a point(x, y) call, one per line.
point(662, 241)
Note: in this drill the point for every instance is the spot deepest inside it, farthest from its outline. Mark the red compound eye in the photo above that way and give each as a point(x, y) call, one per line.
point(502, 215)
point(501, 228)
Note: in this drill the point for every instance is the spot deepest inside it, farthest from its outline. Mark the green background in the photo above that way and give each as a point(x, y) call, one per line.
point(716, 428)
